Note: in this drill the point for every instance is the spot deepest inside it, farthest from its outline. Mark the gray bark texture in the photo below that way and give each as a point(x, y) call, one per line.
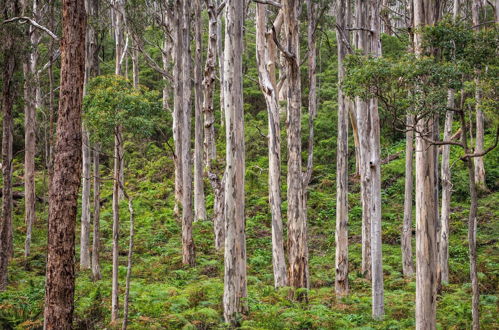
point(235, 240)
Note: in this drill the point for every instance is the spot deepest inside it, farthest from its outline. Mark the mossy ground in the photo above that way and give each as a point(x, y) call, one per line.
point(167, 295)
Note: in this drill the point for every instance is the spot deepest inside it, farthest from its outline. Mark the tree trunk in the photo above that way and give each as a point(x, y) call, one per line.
point(129, 264)
point(96, 237)
point(235, 240)
point(341, 234)
point(32, 102)
point(267, 84)
point(446, 194)
point(406, 240)
point(187, 214)
point(85, 201)
point(479, 165)
point(378, 307)
point(199, 200)
point(63, 202)
point(10, 63)
point(209, 126)
point(361, 112)
point(118, 141)
point(221, 61)
point(297, 226)
point(472, 228)
point(426, 245)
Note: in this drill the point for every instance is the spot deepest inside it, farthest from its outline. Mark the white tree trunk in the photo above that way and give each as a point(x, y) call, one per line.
point(479, 165)
point(378, 308)
point(212, 172)
point(406, 239)
point(129, 262)
point(426, 245)
point(361, 112)
point(85, 201)
point(235, 240)
point(446, 193)
point(96, 237)
point(266, 69)
point(199, 200)
point(341, 234)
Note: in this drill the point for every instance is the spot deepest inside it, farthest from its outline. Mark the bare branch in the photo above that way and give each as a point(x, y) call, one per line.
point(286, 53)
point(269, 2)
point(24, 19)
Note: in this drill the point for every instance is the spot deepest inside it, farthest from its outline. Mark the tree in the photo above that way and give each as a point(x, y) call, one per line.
point(32, 99)
point(265, 54)
point(235, 239)
point(426, 245)
point(217, 180)
point(10, 64)
point(341, 234)
point(199, 199)
point(479, 166)
point(65, 183)
point(113, 102)
point(297, 226)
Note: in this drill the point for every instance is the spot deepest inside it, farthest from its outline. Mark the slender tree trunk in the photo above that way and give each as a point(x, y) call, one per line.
point(85, 201)
point(378, 307)
point(472, 229)
point(341, 234)
point(221, 63)
point(32, 102)
point(479, 165)
point(118, 140)
point(266, 69)
point(129, 264)
point(235, 240)
point(199, 200)
point(361, 110)
point(60, 275)
point(118, 22)
point(217, 184)
point(406, 240)
point(446, 194)
point(426, 245)
point(187, 214)
point(96, 274)
point(10, 63)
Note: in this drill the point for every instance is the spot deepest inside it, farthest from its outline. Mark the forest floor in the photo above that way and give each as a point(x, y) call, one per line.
point(167, 295)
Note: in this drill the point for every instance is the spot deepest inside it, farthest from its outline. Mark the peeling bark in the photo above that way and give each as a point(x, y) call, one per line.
point(266, 68)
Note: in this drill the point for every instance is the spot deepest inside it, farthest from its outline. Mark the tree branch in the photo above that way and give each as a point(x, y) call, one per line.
point(269, 2)
point(24, 19)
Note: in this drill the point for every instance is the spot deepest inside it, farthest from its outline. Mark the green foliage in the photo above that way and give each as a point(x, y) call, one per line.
point(111, 101)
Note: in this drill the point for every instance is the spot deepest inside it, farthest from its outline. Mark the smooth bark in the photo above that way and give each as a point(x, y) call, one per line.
point(85, 201)
point(60, 275)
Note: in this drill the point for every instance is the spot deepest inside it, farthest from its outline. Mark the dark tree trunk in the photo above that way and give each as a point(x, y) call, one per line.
point(60, 276)
point(10, 63)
